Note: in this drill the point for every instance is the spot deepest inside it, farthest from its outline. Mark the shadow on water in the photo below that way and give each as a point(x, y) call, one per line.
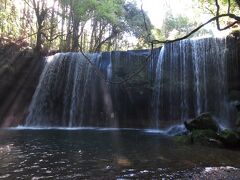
point(89, 153)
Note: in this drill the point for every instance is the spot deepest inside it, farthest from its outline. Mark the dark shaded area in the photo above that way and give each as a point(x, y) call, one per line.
point(19, 74)
point(233, 64)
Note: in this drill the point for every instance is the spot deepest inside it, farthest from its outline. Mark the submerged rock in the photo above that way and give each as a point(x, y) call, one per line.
point(204, 121)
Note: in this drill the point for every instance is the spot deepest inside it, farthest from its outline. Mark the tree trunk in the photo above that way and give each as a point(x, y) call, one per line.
point(62, 28)
point(75, 37)
point(93, 35)
point(52, 25)
point(68, 37)
point(38, 46)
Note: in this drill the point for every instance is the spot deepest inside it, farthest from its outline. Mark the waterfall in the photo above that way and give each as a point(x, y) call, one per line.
point(71, 93)
point(67, 94)
point(191, 79)
point(183, 80)
point(158, 88)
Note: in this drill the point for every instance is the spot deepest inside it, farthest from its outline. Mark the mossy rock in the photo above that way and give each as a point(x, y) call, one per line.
point(183, 139)
point(204, 121)
point(230, 138)
point(205, 137)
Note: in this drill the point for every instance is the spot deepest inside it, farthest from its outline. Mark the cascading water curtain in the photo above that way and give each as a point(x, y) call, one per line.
point(62, 97)
point(191, 79)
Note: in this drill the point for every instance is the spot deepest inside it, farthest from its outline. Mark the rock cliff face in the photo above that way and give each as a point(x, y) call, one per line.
point(19, 75)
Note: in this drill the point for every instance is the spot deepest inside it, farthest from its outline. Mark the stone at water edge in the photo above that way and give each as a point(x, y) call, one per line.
point(203, 121)
point(205, 137)
point(230, 138)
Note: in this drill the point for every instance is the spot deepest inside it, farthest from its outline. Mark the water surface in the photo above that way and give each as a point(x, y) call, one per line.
point(103, 154)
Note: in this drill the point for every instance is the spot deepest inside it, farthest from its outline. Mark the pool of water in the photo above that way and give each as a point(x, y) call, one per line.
point(103, 154)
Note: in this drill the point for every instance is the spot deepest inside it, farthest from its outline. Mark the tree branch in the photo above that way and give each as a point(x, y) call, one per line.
point(145, 24)
point(229, 6)
point(228, 12)
point(237, 18)
point(52, 39)
point(217, 14)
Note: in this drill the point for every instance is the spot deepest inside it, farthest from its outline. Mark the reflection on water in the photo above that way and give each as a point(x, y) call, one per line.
point(60, 154)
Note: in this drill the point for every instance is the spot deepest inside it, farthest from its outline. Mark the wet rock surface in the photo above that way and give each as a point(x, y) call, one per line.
point(204, 131)
point(204, 121)
point(230, 138)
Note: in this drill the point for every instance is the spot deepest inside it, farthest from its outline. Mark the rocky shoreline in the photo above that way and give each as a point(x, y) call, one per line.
point(204, 130)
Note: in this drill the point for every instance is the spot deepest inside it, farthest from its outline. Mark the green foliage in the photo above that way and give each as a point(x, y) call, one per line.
point(110, 10)
point(93, 24)
point(176, 27)
point(210, 6)
point(110, 19)
point(135, 23)
point(8, 15)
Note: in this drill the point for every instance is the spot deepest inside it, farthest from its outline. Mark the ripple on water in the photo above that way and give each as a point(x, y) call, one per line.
point(137, 156)
point(5, 176)
point(42, 177)
point(18, 170)
point(6, 148)
point(35, 167)
point(74, 176)
point(144, 172)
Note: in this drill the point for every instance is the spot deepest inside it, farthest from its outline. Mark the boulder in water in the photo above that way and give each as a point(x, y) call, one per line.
point(204, 121)
point(230, 139)
point(205, 137)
